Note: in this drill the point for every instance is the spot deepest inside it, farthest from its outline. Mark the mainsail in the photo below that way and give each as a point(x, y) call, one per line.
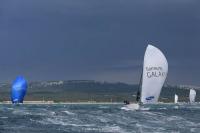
point(192, 95)
point(155, 69)
point(176, 98)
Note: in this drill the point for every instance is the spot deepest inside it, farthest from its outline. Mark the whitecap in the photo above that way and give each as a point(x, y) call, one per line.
point(144, 109)
point(52, 113)
point(103, 119)
point(10, 108)
point(162, 108)
point(151, 113)
point(68, 112)
point(113, 129)
point(125, 108)
point(194, 130)
point(103, 107)
point(21, 112)
point(174, 118)
point(3, 117)
point(56, 121)
point(176, 107)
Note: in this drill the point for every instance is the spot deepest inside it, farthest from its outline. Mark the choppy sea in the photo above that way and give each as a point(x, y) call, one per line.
point(80, 118)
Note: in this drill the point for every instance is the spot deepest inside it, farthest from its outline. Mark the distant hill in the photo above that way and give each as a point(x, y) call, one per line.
point(89, 90)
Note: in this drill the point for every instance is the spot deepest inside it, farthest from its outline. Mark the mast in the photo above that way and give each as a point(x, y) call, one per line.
point(139, 89)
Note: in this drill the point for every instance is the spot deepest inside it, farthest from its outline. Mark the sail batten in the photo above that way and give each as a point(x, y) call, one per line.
point(155, 69)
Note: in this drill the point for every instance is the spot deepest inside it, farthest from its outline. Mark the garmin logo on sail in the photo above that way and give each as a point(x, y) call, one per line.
point(154, 72)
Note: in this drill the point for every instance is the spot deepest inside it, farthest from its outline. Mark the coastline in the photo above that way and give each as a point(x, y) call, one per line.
point(67, 103)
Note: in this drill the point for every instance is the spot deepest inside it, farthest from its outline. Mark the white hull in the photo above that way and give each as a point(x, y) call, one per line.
point(132, 106)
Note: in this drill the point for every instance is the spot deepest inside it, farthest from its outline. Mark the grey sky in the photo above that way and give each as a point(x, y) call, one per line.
point(98, 39)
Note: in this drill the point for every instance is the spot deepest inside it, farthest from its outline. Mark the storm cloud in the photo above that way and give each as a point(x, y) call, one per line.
point(98, 39)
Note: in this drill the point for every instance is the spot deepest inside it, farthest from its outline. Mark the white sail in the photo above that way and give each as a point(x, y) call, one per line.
point(192, 95)
point(155, 69)
point(176, 98)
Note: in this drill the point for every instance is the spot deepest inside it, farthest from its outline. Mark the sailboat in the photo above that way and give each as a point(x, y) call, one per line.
point(155, 69)
point(192, 95)
point(176, 98)
point(18, 91)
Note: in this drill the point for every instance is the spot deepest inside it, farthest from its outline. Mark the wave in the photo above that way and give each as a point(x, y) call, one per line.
point(106, 129)
point(103, 119)
point(113, 129)
point(125, 108)
point(4, 117)
point(144, 109)
point(104, 107)
point(163, 108)
point(69, 113)
point(95, 119)
point(176, 107)
point(21, 112)
point(56, 121)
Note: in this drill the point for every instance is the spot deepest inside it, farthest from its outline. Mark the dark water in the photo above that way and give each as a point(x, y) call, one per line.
point(99, 119)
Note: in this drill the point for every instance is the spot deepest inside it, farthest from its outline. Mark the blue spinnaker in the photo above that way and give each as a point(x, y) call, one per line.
point(18, 91)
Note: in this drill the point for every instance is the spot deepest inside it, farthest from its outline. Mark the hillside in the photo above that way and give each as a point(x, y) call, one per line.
point(88, 90)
